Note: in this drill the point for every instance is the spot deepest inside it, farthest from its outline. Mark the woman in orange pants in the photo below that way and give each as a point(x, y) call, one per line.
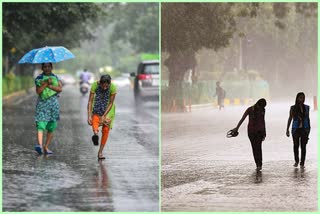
point(101, 110)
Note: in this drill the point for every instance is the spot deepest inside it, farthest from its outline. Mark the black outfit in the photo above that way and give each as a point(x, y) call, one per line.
point(300, 131)
point(256, 133)
point(300, 137)
point(256, 143)
point(221, 95)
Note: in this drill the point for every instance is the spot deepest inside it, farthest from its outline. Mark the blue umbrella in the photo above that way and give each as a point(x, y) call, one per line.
point(46, 55)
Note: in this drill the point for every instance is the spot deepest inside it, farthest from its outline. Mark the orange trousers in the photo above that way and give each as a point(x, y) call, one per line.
point(105, 129)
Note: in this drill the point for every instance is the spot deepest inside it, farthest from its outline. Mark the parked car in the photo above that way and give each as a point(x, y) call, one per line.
point(146, 80)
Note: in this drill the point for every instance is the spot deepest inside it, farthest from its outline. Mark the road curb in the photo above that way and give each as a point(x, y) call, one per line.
point(227, 102)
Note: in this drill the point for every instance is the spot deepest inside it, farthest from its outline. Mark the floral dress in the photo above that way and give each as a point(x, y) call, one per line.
point(102, 99)
point(47, 107)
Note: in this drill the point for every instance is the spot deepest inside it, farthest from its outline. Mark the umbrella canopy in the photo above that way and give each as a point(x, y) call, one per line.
point(46, 55)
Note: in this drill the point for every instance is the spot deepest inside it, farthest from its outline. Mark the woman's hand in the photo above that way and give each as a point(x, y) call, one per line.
point(104, 121)
point(288, 133)
point(49, 81)
point(235, 129)
point(90, 120)
point(107, 121)
point(44, 83)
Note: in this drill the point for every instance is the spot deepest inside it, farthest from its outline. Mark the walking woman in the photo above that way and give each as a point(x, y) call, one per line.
point(299, 113)
point(48, 86)
point(256, 129)
point(101, 110)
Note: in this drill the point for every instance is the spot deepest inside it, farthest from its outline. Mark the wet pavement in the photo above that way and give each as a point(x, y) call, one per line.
point(202, 170)
point(73, 179)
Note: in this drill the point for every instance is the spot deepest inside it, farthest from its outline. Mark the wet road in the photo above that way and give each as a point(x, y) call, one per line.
point(202, 170)
point(73, 179)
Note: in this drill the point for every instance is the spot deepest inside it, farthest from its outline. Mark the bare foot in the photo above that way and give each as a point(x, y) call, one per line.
point(100, 156)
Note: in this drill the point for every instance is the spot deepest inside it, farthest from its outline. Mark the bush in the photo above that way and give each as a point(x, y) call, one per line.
point(12, 84)
point(204, 91)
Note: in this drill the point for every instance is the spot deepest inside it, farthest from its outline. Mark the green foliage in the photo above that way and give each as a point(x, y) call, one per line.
point(138, 24)
point(279, 41)
point(18, 83)
point(33, 25)
point(148, 56)
point(128, 64)
point(204, 91)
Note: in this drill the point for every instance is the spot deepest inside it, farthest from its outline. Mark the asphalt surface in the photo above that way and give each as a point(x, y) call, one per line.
point(202, 170)
point(73, 179)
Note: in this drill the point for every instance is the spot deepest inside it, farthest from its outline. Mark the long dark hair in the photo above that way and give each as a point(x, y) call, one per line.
point(259, 106)
point(297, 111)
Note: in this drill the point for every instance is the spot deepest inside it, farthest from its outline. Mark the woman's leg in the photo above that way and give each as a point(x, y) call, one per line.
point(256, 149)
point(41, 126)
point(40, 137)
point(304, 141)
point(52, 125)
point(48, 140)
point(105, 135)
point(95, 124)
point(259, 152)
point(296, 139)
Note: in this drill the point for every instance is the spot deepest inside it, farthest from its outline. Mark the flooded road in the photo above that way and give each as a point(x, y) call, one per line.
point(202, 170)
point(73, 179)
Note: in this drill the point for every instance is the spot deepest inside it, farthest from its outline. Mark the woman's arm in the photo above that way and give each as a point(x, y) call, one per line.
point(112, 97)
point(56, 88)
point(89, 108)
point(288, 124)
point(242, 119)
point(39, 89)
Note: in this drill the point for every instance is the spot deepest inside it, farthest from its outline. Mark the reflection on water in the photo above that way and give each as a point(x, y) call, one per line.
point(101, 180)
point(299, 173)
point(258, 177)
point(71, 179)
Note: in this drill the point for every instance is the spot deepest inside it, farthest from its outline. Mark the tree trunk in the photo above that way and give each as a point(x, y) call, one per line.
point(178, 64)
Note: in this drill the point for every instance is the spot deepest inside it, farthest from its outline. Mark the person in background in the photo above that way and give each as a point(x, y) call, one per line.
point(221, 94)
point(85, 76)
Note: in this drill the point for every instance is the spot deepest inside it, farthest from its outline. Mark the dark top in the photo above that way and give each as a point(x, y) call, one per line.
point(256, 121)
point(220, 92)
point(300, 119)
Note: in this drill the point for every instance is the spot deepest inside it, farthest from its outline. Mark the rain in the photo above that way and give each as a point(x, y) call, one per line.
point(73, 178)
point(255, 50)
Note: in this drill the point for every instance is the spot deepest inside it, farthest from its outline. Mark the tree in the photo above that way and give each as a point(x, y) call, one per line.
point(32, 25)
point(271, 32)
point(137, 24)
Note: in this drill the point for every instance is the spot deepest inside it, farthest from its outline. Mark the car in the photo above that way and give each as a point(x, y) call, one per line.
point(146, 80)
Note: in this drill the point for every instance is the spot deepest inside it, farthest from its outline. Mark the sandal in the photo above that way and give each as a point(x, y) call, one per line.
point(38, 149)
point(95, 140)
point(48, 152)
point(100, 157)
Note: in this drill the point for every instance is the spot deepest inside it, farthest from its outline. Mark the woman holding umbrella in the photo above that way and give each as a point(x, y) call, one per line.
point(48, 86)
